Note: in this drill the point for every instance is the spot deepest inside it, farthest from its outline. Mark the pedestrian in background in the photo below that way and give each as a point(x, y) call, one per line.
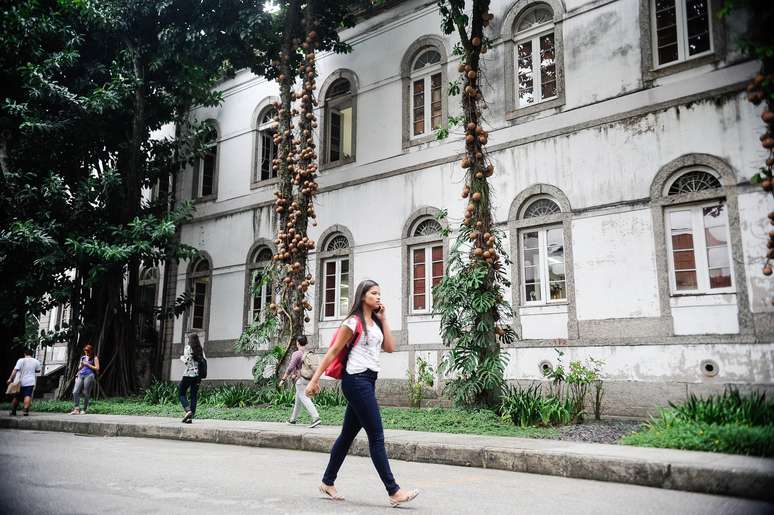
point(26, 369)
point(301, 370)
point(88, 368)
point(193, 356)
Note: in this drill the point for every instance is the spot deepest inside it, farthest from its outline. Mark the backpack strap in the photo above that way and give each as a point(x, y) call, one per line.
point(358, 330)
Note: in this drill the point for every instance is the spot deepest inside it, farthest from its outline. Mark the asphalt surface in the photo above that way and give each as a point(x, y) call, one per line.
point(64, 473)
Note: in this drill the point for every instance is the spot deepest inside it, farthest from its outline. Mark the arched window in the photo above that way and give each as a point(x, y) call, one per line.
point(265, 146)
point(535, 56)
point(426, 263)
point(543, 277)
point(199, 285)
point(697, 235)
point(336, 276)
point(206, 176)
point(682, 30)
point(260, 294)
point(426, 93)
point(339, 122)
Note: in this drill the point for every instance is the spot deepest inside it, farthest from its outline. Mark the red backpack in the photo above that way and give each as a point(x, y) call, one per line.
point(339, 363)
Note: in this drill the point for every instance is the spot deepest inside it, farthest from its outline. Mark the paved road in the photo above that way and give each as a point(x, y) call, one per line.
point(64, 473)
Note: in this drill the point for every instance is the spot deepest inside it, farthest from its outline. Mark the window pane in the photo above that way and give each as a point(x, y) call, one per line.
point(531, 258)
point(419, 302)
point(666, 31)
point(554, 244)
point(524, 73)
point(344, 288)
point(557, 290)
point(419, 286)
point(717, 257)
point(200, 297)
point(556, 272)
point(346, 132)
point(530, 240)
point(720, 278)
point(435, 99)
point(532, 291)
point(684, 260)
point(437, 270)
point(335, 137)
point(267, 147)
point(437, 253)
point(208, 173)
point(547, 66)
point(419, 106)
point(697, 22)
point(685, 280)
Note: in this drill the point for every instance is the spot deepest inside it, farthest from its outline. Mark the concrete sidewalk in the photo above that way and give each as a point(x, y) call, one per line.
point(690, 471)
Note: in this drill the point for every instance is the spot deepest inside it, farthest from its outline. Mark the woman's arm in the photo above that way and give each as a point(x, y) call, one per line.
point(95, 368)
point(342, 338)
point(388, 344)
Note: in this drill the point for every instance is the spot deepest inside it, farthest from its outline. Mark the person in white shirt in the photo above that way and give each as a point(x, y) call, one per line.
point(26, 369)
point(368, 319)
point(193, 355)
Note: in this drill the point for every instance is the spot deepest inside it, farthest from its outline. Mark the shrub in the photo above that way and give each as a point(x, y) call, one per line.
point(161, 392)
point(330, 397)
point(729, 408)
point(531, 407)
point(416, 384)
point(571, 387)
point(670, 430)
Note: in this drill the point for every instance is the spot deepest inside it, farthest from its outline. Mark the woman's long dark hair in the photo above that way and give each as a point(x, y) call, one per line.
point(357, 305)
point(196, 347)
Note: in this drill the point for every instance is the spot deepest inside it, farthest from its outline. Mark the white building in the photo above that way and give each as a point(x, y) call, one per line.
point(623, 146)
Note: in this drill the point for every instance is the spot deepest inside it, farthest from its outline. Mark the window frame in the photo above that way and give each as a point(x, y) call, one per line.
point(514, 113)
point(542, 231)
point(699, 248)
point(194, 278)
point(264, 129)
point(338, 260)
point(533, 35)
point(428, 279)
point(267, 294)
point(336, 105)
point(682, 37)
point(426, 75)
point(198, 181)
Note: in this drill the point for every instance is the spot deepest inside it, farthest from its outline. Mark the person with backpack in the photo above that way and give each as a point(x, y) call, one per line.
point(85, 378)
point(25, 375)
point(353, 355)
point(301, 368)
point(195, 370)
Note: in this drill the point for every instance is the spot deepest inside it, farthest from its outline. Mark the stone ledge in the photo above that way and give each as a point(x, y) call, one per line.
point(719, 474)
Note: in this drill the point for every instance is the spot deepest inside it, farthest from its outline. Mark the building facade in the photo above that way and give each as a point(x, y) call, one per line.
point(623, 146)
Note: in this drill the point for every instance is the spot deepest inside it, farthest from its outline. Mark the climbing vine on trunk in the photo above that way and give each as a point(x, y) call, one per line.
point(475, 315)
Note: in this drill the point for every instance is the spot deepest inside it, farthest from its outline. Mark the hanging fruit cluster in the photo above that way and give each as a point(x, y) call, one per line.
point(761, 90)
point(478, 211)
point(297, 168)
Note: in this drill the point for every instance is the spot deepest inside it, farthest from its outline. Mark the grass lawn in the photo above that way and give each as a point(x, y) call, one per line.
point(438, 420)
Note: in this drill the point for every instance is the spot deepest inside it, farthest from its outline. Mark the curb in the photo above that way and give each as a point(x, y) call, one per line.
point(701, 472)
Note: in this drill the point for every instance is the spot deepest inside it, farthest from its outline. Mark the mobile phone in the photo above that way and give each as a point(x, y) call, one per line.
point(378, 309)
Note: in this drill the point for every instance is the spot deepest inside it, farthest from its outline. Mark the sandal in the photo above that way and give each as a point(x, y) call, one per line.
point(75, 411)
point(410, 497)
point(324, 489)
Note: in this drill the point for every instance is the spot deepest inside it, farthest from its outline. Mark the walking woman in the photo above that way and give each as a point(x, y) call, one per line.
point(300, 371)
point(85, 379)
point(366, 317)
point(193, 354)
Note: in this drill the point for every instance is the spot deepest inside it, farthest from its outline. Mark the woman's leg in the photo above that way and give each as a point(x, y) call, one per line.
point(77, 391)
point(301, 385)
point(181, 389)
point(297, 404)
point(349, 430)
point(367, 410)
point(88, 384)
point(194, 393)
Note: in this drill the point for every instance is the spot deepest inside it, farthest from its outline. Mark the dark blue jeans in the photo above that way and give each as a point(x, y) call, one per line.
point(362, 412)
point(186, 383)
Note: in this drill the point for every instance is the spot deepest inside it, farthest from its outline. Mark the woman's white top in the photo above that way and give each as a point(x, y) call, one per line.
point(191, 366)
point(365, 355)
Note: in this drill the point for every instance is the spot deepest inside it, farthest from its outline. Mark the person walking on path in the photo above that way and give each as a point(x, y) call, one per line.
point(27, 369)
point(193, 354)
point(84, 380)
point(366, 317)
point(301, 370)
